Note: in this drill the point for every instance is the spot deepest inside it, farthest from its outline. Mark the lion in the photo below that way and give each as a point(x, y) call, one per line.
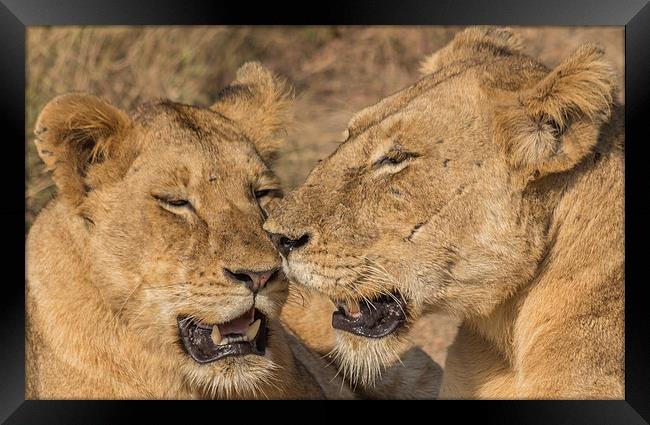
point(414, 375)
point(492, 190)
point(149, 275)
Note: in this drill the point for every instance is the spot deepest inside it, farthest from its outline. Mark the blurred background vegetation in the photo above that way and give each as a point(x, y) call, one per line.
point(335, 71)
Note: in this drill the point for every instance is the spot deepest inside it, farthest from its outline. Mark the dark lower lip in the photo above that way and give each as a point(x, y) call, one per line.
point(197, 341)
point(385, 317)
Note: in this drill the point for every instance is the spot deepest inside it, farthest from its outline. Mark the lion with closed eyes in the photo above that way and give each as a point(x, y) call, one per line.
point(149, 275)
point(491, 189)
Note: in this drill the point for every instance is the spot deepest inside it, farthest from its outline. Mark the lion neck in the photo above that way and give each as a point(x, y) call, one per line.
point(585, 219)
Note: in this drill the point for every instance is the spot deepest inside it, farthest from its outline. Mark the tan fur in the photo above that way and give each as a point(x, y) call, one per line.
point(505, 209)
point(110, 266)
point(414, 375)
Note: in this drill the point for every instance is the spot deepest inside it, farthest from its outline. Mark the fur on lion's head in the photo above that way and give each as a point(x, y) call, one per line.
point(440, 195)
point(172, 199)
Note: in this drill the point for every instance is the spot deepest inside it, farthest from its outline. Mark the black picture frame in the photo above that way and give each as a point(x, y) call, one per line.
point(17, 15)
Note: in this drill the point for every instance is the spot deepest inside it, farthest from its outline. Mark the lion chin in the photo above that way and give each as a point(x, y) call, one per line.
point(362, 361)
point(234, 378)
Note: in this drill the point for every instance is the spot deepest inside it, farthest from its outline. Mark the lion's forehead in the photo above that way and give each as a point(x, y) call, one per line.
point(172, 135)
point(174, 123)
point(449, 111)
point(418, 127)
point(199, 163)
point(464, 79)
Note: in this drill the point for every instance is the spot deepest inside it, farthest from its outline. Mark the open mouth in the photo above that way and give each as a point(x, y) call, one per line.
point(372, 319)
point(246, 334)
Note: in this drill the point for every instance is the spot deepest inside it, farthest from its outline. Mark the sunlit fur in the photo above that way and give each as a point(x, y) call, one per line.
point(507, 213)
point(409, 373)
point(111, 266)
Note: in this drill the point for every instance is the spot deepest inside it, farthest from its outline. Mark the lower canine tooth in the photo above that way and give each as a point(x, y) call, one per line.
point(216, 335)
point(251, 333)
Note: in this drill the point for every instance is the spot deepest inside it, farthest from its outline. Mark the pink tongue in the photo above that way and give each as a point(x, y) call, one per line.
point(238, 325)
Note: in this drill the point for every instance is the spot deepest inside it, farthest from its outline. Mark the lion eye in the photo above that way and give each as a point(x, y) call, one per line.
point(389, 161)
point(172, 202)
point(262, 193)
point(266, 198)
point(395, 157)
point(267, 192)
point(178, 202)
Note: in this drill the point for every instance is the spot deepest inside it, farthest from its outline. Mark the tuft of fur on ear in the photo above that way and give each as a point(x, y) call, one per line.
point(551, 126)
point(472, 41)
point(259, 102)
point(74, 132)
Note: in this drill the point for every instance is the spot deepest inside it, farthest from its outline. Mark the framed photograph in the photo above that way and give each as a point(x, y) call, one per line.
point(423, 201)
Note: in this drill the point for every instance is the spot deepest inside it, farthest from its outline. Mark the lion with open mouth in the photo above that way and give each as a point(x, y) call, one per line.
point(493, 190)
point(150, 276)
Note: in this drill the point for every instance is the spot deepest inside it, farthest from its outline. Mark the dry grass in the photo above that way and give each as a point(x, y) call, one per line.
point(335, 71)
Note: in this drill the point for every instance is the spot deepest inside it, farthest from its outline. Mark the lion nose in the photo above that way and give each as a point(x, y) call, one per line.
point(286, 244)
point(252, 279)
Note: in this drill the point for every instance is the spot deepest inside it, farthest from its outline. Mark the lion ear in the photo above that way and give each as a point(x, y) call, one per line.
point(551, 126)
point(472, 41)
point(259, 102)
point(75, 132)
